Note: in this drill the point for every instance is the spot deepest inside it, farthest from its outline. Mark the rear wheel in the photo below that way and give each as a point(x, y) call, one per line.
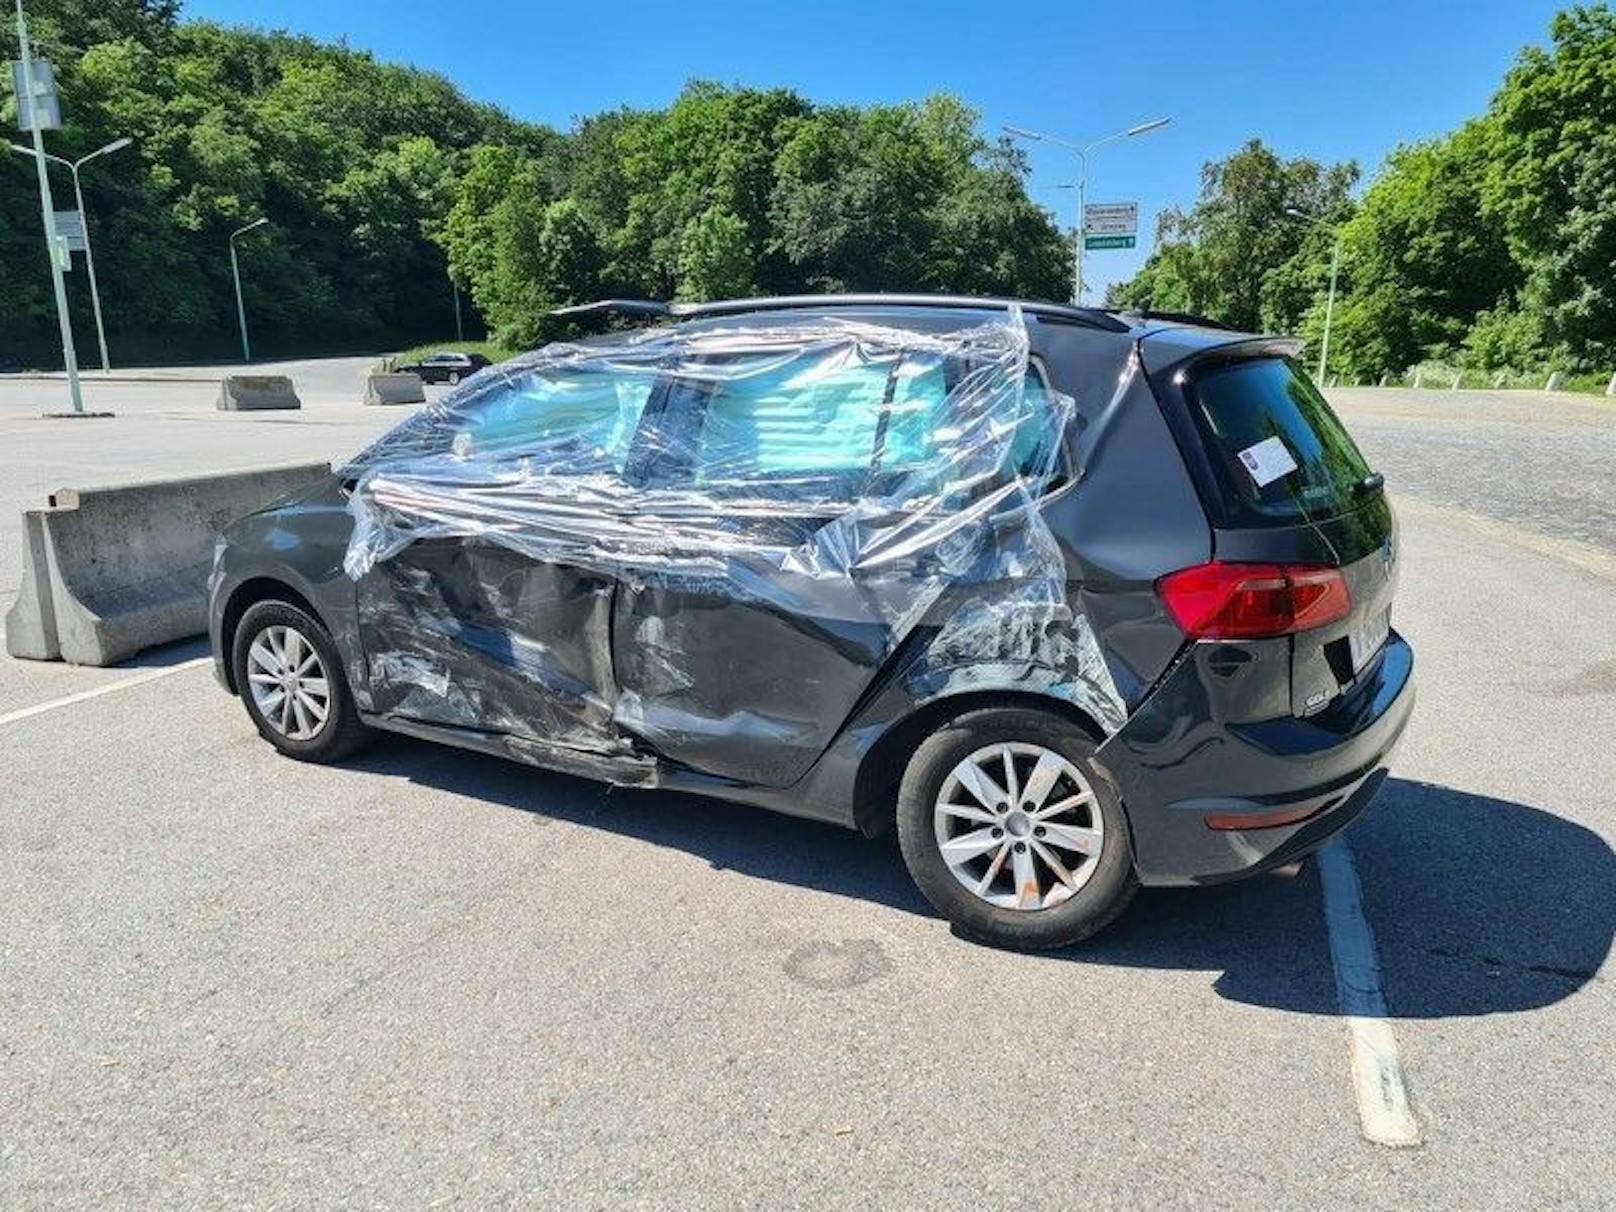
point(1011, 832)
point(290, 677)
point(454, 378)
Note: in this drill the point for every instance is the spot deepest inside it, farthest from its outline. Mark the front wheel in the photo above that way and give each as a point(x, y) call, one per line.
point(290, 677)
point(1010, 831)
point(454, 378)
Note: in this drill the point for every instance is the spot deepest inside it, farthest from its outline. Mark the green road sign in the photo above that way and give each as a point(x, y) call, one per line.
point(1093, 242)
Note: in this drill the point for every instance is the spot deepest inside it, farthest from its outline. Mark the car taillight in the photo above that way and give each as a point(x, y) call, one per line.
point(1253, 601)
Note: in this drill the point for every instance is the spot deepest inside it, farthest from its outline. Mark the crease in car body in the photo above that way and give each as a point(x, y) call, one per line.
point(856, 558)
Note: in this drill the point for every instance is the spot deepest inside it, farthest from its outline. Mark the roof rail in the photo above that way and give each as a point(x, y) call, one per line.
point(1094, 317)
point(1090, 316)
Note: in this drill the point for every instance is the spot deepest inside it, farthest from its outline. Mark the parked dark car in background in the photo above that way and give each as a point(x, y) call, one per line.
point(445, 367)
point(1150, 643)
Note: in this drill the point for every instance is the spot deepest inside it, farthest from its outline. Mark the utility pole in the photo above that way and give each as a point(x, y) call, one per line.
point(36, 123)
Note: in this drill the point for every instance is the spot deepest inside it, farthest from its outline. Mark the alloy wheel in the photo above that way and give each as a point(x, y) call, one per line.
point(290, 684)
point(1019, 825)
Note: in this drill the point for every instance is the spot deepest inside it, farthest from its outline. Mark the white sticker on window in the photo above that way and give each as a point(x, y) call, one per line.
point(1267, 461)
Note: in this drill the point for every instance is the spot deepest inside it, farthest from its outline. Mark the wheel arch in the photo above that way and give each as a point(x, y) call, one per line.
point(881, 769)
point(247, 595)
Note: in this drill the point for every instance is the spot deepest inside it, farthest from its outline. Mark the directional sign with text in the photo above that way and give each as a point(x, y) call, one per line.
point(1111, 219)
point(1110, 224)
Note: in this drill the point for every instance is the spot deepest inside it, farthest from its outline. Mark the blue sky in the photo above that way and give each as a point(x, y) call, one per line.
point(1329, 80)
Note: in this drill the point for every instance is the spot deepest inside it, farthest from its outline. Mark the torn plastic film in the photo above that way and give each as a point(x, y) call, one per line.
point(702, 543)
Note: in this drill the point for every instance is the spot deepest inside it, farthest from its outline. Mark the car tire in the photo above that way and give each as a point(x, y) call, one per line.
point(273, 637)
point(1055, 915)
point(454, 378)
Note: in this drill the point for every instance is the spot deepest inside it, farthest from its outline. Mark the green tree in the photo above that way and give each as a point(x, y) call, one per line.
point(1224, 257)
point(1423, 256)
point(1494, 245)
point(1551, 180)
point(349, 159)
point(715, 257)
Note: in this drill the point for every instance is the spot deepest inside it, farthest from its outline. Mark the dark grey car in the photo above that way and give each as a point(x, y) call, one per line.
point(1150, 646)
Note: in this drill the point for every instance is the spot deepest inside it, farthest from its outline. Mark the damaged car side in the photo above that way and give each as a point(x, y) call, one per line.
point(867, 560)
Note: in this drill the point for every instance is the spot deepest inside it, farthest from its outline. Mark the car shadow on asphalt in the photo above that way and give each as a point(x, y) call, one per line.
point(1478, 905)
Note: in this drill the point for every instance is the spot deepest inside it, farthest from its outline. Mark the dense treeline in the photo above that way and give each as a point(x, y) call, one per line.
point(350, 160)
point(732, 191)
point(1493, 247)
point(380, 183)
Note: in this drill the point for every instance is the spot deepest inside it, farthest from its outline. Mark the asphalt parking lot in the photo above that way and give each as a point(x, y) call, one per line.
point(431, 977)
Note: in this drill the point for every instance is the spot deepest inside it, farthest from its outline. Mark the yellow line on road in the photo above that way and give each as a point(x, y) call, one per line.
point(149, 675)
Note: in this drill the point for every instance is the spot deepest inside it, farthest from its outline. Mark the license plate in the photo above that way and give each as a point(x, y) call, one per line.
point(1368, 637)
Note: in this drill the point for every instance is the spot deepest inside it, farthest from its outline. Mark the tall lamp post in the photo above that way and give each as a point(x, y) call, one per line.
point(70, 357)
point(73, 167)
point(235, 272)
point(1329, 302)
point(1082, 151)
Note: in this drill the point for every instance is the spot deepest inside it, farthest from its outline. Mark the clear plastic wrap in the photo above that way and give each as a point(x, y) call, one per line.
point(537, 545)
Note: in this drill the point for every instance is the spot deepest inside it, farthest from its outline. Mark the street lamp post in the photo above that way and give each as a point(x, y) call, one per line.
point(70, 358)
point(73, 167)
point(1082, 152)
point(1329, 301)
point(235, 272)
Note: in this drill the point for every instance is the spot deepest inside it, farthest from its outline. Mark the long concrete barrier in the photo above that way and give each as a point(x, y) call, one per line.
point(254, 393)
point(395, 388)
point(110, 571)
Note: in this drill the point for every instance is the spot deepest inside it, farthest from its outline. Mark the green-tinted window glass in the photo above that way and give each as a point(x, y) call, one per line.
point(592, 415)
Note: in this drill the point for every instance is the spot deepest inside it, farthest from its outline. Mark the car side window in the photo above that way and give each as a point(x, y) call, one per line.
point(814, 421)
point(814, 418)
point(1030, 450)
point(592, 415)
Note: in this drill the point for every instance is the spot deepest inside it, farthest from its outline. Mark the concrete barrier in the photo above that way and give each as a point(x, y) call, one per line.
point(109, 571)
point(395, 388)
point(254, 393)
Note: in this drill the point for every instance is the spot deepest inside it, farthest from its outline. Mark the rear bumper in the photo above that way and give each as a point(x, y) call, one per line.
point(1175, 765)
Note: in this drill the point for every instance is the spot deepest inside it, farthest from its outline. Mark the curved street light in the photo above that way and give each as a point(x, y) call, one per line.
point(73, 167)
point(235, 272)
point(1082, 152)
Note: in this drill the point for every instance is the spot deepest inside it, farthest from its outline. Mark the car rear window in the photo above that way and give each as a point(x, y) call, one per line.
point(1279, 450)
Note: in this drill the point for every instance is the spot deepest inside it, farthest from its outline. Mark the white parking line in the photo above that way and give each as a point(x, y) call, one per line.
point(1377, 1070)
point(149, 675)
